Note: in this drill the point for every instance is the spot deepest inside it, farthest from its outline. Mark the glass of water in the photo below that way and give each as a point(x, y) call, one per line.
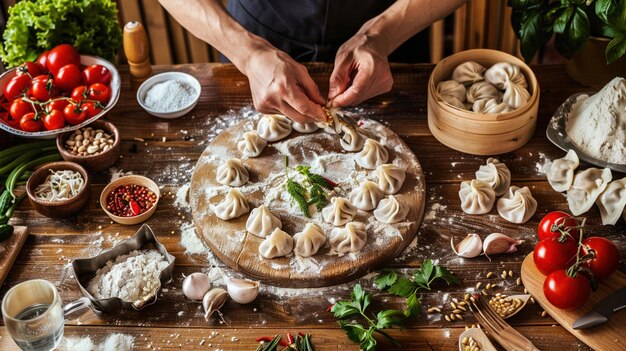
point(33, 315)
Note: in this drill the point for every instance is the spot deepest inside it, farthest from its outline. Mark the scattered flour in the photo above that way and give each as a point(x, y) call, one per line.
point(117, 173)
point(432, 213)
point(543, 162)
point(114, 342)
point(190, 240)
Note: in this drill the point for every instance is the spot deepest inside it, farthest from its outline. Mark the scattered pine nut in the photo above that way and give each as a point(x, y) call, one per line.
point(478, 285)
point(490, 274)
point(456, 311)
point(518, 281)
point(453, 305)
point(458, 316)
point(463, 303)
point(452, 317)
point(466, 297)
point(462, 308)
point(434, 309)
point(544, 313)
point(488, 286)
point(447, 318)
point(511, 273)
point(503, 274)
point(532, 299)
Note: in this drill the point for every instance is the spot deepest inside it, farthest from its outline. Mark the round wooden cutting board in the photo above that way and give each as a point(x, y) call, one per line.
point(230, 241)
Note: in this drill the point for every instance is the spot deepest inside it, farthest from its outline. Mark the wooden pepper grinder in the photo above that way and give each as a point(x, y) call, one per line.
point(137, 52)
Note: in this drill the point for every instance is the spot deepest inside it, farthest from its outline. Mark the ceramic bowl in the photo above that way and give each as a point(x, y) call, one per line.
point(93, 163)
point(162, 77)
point(57, 209)
point(127, 180)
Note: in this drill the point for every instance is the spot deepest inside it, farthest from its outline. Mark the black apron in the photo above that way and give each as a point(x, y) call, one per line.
point(313, 30)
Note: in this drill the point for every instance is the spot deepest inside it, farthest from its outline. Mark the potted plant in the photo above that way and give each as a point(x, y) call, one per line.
point(591, 34)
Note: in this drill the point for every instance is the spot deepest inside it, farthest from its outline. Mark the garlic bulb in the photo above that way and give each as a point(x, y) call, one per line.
point(213, 301)
point(242, 290)
point(469, 247)
point(196, 285)
point(497, 243)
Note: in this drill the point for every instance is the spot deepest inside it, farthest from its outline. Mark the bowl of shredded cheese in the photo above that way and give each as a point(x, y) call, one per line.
point(58, 189)
point(169, 95)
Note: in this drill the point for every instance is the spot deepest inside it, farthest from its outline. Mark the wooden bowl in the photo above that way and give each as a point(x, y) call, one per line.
point(94, 163)
point(126, 180)
point(57, 209)
point(479, 133)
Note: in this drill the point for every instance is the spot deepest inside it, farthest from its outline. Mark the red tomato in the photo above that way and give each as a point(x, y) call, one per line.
point(42, 90)
point(551, 223)
point(74, 114)
point(606, 256)
point(30, 123)
point(96, 74)
point(56, 105)
point(19, 108)
point(62, 55)
point(79, 93)
point(54, 120)
point(16, 87)
point(42, 61)
point(28, 68)
point(551, 255)
point(91, 109)
point(68, 77)
point(566, 292)
point(99, 92)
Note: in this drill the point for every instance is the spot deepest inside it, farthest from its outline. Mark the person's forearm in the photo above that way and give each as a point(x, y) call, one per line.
point(405, 18)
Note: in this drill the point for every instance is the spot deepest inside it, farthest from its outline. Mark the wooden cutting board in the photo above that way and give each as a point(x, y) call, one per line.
point(606, 337)
point(9, 249)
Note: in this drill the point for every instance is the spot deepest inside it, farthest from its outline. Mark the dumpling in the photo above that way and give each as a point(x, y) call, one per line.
point(366, 196)
point(390, 210)
point(612, 201)
point(477, 197)
point(468, 72)
point(309, 240)
point(332, 125)
point(517, 206)
point(490, 106)
point(586, 188)
point(390, 178)
point(251, 144)
point(340, 211)
point(560, 172)
point(305, 128)
point(352, 140)
point(232, 173)
point(515, 95)
point(451, 88)
point(496, 174)
point(452, 100)
point(482, 90)
point(234, 205)
point(350, 238)
point(273, 127)
point(276, 244)
point(373, 155)
point(503, 72)
point(261, 222)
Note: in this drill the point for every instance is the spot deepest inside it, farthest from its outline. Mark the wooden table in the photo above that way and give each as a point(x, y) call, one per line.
point(167, 150)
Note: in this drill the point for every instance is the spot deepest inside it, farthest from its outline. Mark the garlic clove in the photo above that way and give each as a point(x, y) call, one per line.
point(196, 285)
point(498, 243)
point(213, 301)
point(469, 247)
point(242, 290)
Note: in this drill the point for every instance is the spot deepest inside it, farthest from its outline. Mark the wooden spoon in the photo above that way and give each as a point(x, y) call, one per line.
point(524, 298)
point(480, 337)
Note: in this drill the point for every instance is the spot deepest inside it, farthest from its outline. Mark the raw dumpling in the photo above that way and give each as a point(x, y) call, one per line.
point(234, 205)
point(251, 144)
point(586, 188)
point(518, 205)
point(340, 211)
point(515, 95)
point(352, 140)
point(503, 72)
point(305, 128)
point(373, 155)
point(350, 238)
point(451, 88)
point(390, 210)
point(332, 125)
point(477, 197)
point(261, 222)
point(482, 90)
point(468, 72)
point(309, 240)
point(390, 178)
point(273, 127)
point(560, 172)
point(612, 201)
point(366, 196)
point(490, 106)
point(232, 173)
point(496, 174)
point(452, 100)
point(276, 244)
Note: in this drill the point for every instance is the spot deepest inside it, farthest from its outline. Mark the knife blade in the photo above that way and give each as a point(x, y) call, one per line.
point(603, 311)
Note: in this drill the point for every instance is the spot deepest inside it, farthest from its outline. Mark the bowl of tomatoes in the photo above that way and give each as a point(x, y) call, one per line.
point(62, 91)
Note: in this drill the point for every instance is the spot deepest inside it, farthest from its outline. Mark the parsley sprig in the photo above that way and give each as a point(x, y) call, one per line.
point(316, 192)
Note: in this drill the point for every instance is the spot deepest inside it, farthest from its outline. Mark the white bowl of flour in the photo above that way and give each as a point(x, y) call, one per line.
point(169, 95)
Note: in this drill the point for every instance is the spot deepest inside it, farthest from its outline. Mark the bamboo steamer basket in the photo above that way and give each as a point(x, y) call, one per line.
point(478, 133)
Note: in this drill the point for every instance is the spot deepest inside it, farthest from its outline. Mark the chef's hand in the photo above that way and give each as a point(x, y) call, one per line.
point(361, 71)
point(281, 85)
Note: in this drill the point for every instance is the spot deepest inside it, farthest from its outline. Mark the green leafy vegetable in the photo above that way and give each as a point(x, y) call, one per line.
point(315, 193)
point(35, 26)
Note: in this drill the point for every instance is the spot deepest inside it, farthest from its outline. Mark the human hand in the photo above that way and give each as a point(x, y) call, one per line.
point(361, 71)
point(281, 85)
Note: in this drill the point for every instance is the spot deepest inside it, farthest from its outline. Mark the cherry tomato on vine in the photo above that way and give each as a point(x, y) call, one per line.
point(566, 292)
point(43, 90)
point(74, 114)
point(28, 68)
point(61, 55)
point(91, 109)
point(550, 255)
point(53, 120)
point(99, 92)
point(16, 87)
point(68, 77)
point(19, 108)
point(30, 123)
point(56, 105)
point(42, 61)
point(96, 74)
point(550, 223)
point(79, 93)
point(605, 259)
